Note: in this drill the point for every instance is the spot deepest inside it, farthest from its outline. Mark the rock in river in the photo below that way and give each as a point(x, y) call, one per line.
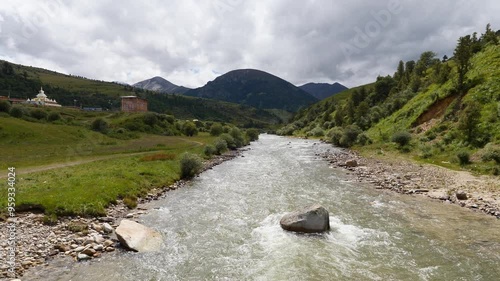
point(312, 219)
point(138, 237)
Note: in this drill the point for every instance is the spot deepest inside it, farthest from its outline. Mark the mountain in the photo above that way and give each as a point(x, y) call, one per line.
point(322, 91)
point(19, 81)
point(159, 84)
point(255, 88)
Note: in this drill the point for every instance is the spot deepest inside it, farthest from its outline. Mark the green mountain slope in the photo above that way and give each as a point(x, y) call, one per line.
point(423, 110)
point(24, 82)
point(255, 88)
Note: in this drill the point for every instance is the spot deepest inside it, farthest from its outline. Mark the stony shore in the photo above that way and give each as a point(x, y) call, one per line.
point(76, 238)
point(478, 193)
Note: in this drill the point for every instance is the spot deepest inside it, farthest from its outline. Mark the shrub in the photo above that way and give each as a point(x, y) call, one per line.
point(220, 146)
point(150, 119)
point(252, 134)
point(169, 118)
point(16, 112)
point(334, 135)
point(190, 165)
point(50, 219)
point(77, 226)
point(38, 114)
point(463, 157)
point(54, 116)
point(350, 136)
point(229, 140)
point(401, 138)
point(209, 150)
point(491, 153)
point(189, 129)
point(316, 132)
point(99, 125)
point(363, 139)
point(130, 202)
point(425, 151)
point(239, 140)
point(4, 106)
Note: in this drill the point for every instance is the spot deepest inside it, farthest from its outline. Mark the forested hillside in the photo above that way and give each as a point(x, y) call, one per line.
point(445, 111)
point(19, 81)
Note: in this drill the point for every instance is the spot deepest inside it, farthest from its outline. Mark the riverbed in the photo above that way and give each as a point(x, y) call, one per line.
point(224, 225)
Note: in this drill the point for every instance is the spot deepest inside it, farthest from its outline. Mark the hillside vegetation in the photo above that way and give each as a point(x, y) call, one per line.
point(255, 88)
point(71, 162)
point(24, 82)
point(444, 111)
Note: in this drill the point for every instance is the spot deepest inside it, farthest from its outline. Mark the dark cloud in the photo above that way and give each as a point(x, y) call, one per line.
point(189, 42)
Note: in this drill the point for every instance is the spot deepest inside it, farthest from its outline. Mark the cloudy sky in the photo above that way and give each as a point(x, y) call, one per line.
point(191, 42)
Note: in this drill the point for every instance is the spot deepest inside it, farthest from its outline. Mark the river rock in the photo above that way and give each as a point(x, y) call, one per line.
point(312, 219)
point(461, 195)
point(83, 257)
point(107, 228)
point(351, 163)
point(138, 237)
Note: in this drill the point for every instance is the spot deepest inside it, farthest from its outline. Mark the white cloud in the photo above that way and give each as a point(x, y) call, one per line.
point(187, 42)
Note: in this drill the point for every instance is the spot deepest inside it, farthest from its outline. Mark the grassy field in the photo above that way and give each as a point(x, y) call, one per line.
point(110, 168)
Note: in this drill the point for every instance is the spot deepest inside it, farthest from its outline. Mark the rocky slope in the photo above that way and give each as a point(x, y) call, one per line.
point(161, 85)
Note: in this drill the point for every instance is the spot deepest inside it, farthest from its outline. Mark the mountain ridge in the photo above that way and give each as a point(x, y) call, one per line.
point(161, 85)
point(255, 88)
point(322, 91)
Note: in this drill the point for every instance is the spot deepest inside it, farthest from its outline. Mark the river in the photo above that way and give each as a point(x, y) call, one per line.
point(225, 226)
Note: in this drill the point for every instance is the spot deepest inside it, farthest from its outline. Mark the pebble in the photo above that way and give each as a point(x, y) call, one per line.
point(107, 228)
point(82, 257)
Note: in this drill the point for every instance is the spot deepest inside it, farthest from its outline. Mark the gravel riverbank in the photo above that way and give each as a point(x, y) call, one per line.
point(77, 238)
point(478, 193)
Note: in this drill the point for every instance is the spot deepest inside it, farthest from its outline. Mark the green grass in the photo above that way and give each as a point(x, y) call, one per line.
point(87, 189)
point(83, 171)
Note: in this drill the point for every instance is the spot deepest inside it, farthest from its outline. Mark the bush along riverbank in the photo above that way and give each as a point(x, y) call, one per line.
point(79, 238)
point(478, 193)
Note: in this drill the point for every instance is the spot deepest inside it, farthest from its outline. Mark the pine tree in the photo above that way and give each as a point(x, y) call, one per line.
point(462, 55)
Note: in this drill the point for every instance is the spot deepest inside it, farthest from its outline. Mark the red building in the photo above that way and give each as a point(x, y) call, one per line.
point(134, 104)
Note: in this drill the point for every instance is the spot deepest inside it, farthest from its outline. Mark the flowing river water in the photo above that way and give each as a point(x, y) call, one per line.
point(225, 226)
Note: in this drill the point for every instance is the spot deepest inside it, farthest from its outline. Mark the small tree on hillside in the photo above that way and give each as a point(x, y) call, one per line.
point(469, 120)
point(462, 55)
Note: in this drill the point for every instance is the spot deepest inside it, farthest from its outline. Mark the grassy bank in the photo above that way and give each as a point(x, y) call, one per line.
point(65, 168)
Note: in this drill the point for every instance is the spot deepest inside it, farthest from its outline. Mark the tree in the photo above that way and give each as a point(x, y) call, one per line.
point(216, 129)
point(400, 72)
point(189, 129)
point(445, 58)
point(469, 120)
point(462, 56)
point(7, 68)
point(426, 60)
point(489, 37)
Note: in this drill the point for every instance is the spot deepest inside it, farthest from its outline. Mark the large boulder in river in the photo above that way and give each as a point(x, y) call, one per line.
point(312, 219)
point(138, 237)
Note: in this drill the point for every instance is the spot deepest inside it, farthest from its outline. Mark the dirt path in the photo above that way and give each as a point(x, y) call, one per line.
point(23, 171)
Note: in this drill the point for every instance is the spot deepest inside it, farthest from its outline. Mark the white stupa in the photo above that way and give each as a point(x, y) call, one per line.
point(42, 99)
